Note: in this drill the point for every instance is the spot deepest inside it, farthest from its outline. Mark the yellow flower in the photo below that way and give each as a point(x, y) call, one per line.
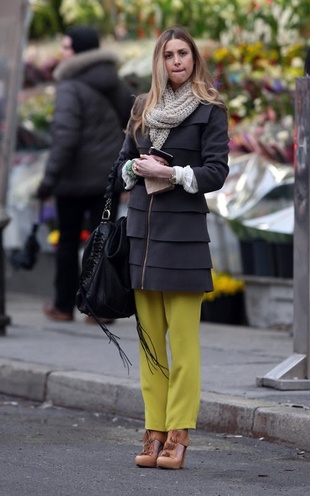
point(224, 284)
point(53, 237)
point(221, 54)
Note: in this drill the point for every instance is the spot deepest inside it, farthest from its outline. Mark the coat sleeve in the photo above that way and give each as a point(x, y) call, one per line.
point(214, 152)
point(128, 151)
point(66, 126)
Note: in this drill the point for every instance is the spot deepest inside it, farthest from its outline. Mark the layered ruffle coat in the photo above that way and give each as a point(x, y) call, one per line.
point(169, 239)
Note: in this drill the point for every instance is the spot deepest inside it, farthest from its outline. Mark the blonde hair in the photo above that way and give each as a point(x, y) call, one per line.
point(201, 79)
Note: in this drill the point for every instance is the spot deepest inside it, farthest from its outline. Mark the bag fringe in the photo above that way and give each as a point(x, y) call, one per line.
point(151, 355)
point(112, 337)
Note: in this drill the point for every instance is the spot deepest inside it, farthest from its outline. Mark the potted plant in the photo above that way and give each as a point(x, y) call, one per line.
point(224, 305)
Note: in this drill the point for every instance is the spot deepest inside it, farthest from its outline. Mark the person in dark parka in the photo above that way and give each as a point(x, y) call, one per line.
point(92, 109)
point(170, 263)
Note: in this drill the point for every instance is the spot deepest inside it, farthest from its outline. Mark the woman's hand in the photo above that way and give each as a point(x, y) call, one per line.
point(149, 166)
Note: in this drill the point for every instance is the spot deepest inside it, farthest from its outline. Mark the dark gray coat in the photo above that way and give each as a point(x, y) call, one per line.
point(169, 240)
point(91, 110)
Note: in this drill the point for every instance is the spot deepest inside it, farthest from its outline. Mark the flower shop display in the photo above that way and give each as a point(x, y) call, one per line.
point(258, 83)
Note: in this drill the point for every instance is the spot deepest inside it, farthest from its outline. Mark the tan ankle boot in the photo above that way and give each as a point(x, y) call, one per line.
point(153, 442)
point(173, 454)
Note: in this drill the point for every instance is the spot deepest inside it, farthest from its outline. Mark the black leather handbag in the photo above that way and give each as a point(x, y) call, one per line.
point(104, 286)
point(105, 290)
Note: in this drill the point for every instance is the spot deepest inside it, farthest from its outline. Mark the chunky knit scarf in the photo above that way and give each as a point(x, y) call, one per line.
point(173, 109)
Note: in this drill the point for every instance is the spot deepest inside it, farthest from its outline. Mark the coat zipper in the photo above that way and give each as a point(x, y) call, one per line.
point(147, 241)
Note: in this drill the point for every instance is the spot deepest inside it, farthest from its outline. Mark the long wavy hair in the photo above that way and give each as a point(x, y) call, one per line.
point(201, 79)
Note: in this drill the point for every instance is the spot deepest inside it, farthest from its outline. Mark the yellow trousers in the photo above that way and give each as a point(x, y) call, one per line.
point(170, 402)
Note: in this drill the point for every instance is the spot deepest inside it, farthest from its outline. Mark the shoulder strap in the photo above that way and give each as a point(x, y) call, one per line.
point(106, 214)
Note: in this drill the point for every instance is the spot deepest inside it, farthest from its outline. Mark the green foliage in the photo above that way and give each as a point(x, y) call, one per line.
point(51, 17)
point(263, 20)
point(87, 12)
point(46, 20)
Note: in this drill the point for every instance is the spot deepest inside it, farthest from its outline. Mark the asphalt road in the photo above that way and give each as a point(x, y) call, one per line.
point(48, 451)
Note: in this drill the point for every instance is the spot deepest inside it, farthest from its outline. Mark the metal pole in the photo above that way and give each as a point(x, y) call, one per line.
point(4, 319)
point(294, 372)
point(14, 22)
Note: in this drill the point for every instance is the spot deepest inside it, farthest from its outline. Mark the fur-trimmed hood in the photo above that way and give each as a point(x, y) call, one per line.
point(69, 68)
point(96, 68)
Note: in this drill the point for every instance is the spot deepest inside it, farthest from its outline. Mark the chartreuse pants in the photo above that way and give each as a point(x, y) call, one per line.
point(171, 401)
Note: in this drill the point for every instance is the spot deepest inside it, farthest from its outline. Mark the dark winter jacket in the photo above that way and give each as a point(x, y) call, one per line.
point(91, 110)
point(169, 240)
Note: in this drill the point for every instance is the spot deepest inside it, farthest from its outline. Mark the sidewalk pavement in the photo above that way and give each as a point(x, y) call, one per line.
point(73, 365)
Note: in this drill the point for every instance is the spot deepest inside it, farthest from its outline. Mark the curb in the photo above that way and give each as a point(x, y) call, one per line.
point(94, 392)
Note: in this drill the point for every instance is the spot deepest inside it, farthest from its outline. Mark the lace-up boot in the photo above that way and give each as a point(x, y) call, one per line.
point(153, 442)
point(174, 450)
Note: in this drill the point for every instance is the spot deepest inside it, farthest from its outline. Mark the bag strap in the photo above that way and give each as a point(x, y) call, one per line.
point(106, 214)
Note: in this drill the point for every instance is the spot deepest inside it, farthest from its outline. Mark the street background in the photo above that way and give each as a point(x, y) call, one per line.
point(48, 451)
point(73, 365)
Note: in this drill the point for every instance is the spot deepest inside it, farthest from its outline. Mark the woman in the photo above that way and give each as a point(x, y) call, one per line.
point(170, 261)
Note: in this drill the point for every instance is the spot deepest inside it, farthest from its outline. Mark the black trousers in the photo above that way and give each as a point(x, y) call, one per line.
point(72, 215)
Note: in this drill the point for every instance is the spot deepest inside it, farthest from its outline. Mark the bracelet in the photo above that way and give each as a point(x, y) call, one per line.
point(173, 178)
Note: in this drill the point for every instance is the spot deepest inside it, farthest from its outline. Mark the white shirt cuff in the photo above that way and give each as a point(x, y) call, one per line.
point(185, 177)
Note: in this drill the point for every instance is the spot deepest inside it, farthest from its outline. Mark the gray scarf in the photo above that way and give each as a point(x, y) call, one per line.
point(173, 108)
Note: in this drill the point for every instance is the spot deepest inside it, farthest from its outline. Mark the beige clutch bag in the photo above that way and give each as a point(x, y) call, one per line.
point(156, 185)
